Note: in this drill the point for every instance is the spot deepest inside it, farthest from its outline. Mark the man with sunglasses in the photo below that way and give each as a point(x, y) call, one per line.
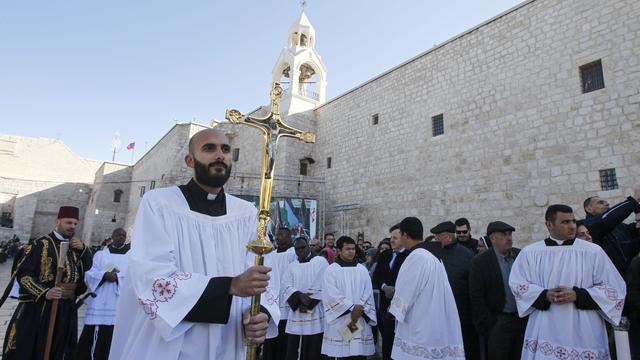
point(314, 245)
point(463, 234)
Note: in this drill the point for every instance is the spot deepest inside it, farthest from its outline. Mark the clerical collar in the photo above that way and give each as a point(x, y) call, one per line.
point(202, 202)
point(554, 242)
point(120, 250)
point(343, 263)
point(310, 256)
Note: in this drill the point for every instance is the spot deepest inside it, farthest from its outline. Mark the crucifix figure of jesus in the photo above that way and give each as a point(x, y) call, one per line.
point(272, 129)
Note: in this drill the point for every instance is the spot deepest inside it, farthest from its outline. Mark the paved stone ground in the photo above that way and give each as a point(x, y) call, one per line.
point(10, 305)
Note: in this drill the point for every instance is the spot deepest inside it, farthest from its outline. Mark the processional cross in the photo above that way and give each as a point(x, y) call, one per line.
point(272, 129)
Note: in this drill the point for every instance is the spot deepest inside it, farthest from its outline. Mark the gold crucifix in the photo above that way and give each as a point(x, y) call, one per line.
point(272, 129)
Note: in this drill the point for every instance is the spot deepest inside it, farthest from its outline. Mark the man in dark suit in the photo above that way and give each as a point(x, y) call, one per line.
point(495, 314)
point(384, 279)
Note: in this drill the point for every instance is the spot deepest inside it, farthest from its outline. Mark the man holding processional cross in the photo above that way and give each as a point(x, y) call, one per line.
point(192, 266)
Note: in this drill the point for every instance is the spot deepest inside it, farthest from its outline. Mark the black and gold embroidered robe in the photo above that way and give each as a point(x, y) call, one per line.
point(27, 330)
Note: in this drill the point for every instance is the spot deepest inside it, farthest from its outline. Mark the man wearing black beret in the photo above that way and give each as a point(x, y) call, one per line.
point(495, 314)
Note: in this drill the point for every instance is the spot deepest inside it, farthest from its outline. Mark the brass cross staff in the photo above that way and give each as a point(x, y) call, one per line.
point(272, 129)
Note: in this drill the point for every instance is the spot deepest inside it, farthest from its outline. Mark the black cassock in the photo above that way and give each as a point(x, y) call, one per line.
point(27, 331)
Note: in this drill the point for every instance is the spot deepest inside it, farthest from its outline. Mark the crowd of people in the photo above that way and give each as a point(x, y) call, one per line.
point(182, 289)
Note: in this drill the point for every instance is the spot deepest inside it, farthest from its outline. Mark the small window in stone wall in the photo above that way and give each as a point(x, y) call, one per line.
point(591, 76)
point(329, 163)
point(375, 119)
point(304, 167)
point(437, 125)
point(236, 154)
point(608, 179)
point(117, 196)
point(153, 185)
point(142, 190)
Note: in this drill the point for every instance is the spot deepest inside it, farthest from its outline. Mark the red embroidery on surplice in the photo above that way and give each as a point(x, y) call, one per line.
point(163, 290)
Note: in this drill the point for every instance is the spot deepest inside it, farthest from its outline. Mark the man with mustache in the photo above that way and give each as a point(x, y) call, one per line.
point(36, 273)
point(190, 277)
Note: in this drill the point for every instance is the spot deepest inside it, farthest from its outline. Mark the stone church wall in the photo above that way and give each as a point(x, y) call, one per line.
point(519, 134)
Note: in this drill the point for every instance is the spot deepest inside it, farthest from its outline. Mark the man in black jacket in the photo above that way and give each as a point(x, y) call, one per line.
point(608, 230)
point(457, 262)
point(495, 314)
point(384, 279)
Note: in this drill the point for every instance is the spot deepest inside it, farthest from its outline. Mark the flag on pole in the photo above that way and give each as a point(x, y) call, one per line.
point(131, 146)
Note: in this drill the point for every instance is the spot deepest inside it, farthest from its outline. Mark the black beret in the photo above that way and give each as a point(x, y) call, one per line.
point(498, 226)
point(446, 226)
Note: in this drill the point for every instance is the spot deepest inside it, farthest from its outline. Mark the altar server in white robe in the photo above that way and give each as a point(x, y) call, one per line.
point(104, 279)
point(302, 287)
point(349, 309)
point(275, 348)
point(190, 275)
point(428, 326)
point(569, 288)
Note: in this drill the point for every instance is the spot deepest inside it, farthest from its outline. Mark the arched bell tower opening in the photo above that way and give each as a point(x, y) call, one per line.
point(308, 81)
point(300, 69)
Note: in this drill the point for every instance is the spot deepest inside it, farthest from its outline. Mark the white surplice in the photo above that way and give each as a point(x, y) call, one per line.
point(174, 253)
point(101, 310)
point(306, 278)
point(279, 263)
point(428, 326)
point(563, 331)
point(342, 288)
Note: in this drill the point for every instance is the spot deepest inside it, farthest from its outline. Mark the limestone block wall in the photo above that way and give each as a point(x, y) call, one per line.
point(519, 134)
point(162, 166)
point(103, 208)
point(54, 177)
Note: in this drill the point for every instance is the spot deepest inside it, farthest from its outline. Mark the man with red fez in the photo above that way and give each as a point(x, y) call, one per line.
point(36, 272)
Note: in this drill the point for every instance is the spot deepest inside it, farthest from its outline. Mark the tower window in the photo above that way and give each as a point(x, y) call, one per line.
point(329, 163)
point(117, 196)
point(437, 125)
point(236, 154)
point(153, 185)
point(304, 167)
point(142, 190)
point(375, 119)
point(608, 179)
point(591, 76)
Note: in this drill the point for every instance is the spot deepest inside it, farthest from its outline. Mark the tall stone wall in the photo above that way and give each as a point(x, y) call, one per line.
point(163, 165)
point(106, 212)
point(519, 134)
point(37, 176)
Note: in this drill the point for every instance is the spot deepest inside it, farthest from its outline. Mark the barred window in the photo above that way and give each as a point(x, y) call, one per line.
point(591, 77)
point(608, 179)
point(375, 119)
point(437, 125)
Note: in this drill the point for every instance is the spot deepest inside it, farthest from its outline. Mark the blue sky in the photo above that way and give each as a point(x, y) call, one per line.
point(82, 70)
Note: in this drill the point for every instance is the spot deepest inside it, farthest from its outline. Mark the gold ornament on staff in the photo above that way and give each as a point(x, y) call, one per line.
point(272, 129)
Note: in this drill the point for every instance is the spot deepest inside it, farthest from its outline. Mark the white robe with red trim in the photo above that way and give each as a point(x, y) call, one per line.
point(428, 326)
point(344, 287)
point(564, 331)
point(174, 253)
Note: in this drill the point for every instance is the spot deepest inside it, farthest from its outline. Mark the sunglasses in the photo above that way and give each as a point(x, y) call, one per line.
point(462, 231)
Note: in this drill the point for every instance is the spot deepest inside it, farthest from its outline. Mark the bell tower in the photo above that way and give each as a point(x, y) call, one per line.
point(300, 69)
